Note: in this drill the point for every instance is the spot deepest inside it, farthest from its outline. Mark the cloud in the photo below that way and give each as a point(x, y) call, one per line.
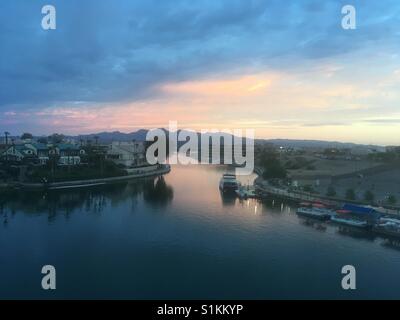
point(204, 62)
point(383, 121)
point(110, 53)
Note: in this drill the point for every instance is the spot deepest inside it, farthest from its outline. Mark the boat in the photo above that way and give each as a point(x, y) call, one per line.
point(361, 212)
point(245, 192)
point(306, 204)
point(389, 220)
point(350, 222)
point(388, 227)
point(315, 213)
point(228, 183)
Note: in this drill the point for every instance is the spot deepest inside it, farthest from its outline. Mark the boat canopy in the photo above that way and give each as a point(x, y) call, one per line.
point(229, 176)
point(369, 212)
point(358, 209)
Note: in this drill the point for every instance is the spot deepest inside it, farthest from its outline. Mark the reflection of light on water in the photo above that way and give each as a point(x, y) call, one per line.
point(255, 209)
point(281, 207)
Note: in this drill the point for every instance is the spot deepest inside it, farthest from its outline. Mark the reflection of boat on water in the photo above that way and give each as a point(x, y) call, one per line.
point(317, 225)
point(392, 243)
point(356, 233)
point(350, 222)
point(315, 213)
point(228, 183)
point(228, 199)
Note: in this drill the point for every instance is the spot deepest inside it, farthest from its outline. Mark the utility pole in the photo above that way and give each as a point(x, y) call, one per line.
point(6, 133)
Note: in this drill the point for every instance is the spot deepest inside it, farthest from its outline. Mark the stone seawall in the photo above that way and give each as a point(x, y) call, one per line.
point(93, 182)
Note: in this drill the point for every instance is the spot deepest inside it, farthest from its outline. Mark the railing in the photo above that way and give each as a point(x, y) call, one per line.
point(302, 196)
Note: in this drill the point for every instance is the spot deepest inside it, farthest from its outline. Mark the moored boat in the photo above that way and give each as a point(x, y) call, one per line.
point(388, 227)
point(350, 222)
point(229, 183)
point(316, 213)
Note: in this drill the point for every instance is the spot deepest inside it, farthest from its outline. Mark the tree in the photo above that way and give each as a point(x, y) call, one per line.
point(56, 138)
point(27, 136)
point(53, 161)
point(369, 196)
point(331, 192)
point(271, 164)
point(43, 140)
point(309, 188)
point(392, 199)
point(350, 194)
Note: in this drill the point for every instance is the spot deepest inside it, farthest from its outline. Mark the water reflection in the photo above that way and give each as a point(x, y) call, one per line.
point(391, 243)
point(276, 206)
point(317, 225)
point(228, 200)
point(96, 200)
point(237, 249)
point(158, 193)
point(356, 233)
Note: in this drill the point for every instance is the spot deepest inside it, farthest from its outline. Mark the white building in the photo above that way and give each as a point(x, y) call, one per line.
point(129, 154)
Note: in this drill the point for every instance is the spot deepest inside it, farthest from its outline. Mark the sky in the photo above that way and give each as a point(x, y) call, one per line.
point(286, 69)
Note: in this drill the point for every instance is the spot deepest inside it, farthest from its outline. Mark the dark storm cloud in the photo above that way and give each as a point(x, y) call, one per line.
point(113, 51)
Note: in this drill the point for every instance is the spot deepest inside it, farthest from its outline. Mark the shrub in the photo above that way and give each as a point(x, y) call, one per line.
point(350, 194)
point(369, 196)
point(331, 192)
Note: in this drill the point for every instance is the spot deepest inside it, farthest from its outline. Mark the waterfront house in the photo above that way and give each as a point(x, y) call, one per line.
point(129, 154)
point(17, 153)
point(41, 151)
point(69, 154)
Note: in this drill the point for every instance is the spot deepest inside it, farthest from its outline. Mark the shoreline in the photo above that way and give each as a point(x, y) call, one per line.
point(165, 169)
point(297, 196)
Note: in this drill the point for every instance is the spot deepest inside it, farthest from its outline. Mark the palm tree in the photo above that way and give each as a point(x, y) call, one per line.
point(6, 133)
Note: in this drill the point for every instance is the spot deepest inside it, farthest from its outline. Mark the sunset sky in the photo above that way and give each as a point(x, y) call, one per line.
point(284, 68)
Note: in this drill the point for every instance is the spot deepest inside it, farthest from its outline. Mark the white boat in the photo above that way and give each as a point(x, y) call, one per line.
point(228, 183)
point(389, 220)
point(388, 229)
point(316, 213)
point(388, 226)
point(245, 192)
point(350, 222)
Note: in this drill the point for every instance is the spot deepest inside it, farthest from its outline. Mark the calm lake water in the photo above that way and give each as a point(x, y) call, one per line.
point(177, 238)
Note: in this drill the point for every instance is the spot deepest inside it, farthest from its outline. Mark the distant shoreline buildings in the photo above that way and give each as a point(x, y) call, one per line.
point(67, 152)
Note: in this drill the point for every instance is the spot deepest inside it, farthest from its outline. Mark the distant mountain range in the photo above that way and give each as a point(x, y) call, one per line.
point(140, 135)
point(319, 144)
point(107, 137)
